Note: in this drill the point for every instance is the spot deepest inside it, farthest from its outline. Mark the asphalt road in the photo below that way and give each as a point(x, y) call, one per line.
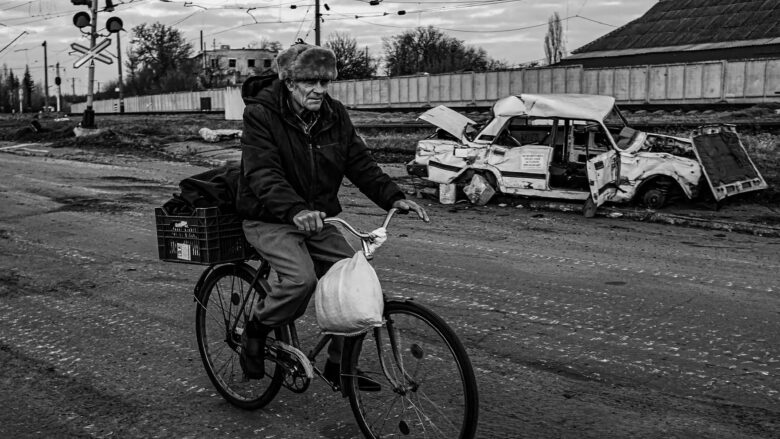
point(600, 328)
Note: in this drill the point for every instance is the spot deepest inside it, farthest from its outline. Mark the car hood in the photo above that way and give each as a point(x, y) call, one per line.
point(449, 120)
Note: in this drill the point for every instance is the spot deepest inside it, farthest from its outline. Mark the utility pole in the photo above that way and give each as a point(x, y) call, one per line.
point(73, 86)
point(45, 78)
point(317, 22)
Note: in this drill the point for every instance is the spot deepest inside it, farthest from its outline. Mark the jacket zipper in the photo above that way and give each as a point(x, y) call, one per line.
point(313, 172)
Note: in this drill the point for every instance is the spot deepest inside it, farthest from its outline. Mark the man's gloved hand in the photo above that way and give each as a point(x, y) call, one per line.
point(309, 220)
point(407, 205)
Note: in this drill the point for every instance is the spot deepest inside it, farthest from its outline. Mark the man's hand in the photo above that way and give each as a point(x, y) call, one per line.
point(407, 205)
point(309, 220)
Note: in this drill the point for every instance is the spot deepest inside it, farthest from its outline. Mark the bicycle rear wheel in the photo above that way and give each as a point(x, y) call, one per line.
point(223, 308)
point(428, 385)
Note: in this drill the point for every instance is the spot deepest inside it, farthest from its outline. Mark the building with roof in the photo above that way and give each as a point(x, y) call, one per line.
point(684, 31)
point(225, 66)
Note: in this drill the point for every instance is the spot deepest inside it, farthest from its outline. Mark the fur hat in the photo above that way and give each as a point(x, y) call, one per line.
point(304, 61)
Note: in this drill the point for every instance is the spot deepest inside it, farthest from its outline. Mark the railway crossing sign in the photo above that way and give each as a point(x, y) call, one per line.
point(93, 53)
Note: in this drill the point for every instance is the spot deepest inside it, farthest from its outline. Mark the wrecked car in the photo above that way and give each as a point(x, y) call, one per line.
point(579, 147)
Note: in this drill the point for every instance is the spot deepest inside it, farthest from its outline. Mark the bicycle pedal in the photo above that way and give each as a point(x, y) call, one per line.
point(299, 356)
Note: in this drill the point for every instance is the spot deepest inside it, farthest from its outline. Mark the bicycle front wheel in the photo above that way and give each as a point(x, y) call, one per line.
point(224, 304)
point(427, 382)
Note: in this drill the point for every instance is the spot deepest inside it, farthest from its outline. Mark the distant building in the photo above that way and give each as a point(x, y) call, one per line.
point(681, 31)
point(226, 66)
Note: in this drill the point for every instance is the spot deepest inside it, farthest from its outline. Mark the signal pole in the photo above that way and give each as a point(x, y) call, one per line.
point(89, 113)
point(58, 81)
point(121, 85)
point(45, 79)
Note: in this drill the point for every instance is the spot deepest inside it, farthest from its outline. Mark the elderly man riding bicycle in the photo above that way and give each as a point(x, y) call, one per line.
point(298, 144)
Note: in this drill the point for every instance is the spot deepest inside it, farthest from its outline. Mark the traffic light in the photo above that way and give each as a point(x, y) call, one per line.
point(87, 3)
point(81, 19)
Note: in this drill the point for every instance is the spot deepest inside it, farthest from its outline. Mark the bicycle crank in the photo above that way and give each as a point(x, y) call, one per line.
point(298, 368)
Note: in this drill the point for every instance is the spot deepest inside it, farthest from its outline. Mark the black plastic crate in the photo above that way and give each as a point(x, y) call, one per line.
point(205, 237)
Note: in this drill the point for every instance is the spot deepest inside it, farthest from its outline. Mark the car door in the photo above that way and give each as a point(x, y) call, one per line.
point(603, 173)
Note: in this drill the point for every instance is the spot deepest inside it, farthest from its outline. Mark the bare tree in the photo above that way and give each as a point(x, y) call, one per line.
point(554, 46)
point(427, 49)
point(351, 63)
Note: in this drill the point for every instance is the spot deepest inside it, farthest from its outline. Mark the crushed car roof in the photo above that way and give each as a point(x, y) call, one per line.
point(574, 106)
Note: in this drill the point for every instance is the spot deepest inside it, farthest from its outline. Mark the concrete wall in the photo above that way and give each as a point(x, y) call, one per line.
point(737, 82)
point(170, 102)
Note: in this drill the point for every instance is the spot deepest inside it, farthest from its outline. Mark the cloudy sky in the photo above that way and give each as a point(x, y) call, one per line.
point(509, 30)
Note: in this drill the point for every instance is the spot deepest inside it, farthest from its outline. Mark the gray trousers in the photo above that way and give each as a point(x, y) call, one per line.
point(298, 258)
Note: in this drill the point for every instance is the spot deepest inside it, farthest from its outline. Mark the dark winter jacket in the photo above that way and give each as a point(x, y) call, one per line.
point(284, 170)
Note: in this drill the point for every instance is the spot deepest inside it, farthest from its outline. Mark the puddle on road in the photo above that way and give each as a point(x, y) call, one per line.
point(90, 204)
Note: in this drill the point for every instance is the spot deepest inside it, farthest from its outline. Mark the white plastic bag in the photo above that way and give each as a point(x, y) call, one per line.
point(348, 298)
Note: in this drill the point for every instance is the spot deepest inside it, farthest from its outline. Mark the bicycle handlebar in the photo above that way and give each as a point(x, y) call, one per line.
point(359, 234)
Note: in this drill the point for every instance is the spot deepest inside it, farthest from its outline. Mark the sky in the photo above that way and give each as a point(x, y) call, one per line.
point(509, 30)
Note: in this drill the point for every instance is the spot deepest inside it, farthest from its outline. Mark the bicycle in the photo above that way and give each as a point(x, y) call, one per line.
point(427, 382)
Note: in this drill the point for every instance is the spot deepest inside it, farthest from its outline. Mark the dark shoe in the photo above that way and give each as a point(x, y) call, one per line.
point(332, 373)
point(252, 357)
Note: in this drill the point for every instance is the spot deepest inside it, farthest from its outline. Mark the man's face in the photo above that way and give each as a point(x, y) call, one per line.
point(308, 93)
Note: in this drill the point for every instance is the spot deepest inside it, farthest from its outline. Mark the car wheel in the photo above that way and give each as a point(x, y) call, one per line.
point(654, 198)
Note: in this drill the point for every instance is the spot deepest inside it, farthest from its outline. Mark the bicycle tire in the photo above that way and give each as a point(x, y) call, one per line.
point(427, 402)
point(218, 310)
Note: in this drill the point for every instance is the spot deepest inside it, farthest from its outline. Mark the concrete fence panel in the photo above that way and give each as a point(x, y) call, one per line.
point(492, 86)
point(675, 82)
point(657, 83)
point(712, 80)
point(755, 74)
point(590, 82)
point(735, 80)
point(773, 78)
point(693, 79)
point(622, 84)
